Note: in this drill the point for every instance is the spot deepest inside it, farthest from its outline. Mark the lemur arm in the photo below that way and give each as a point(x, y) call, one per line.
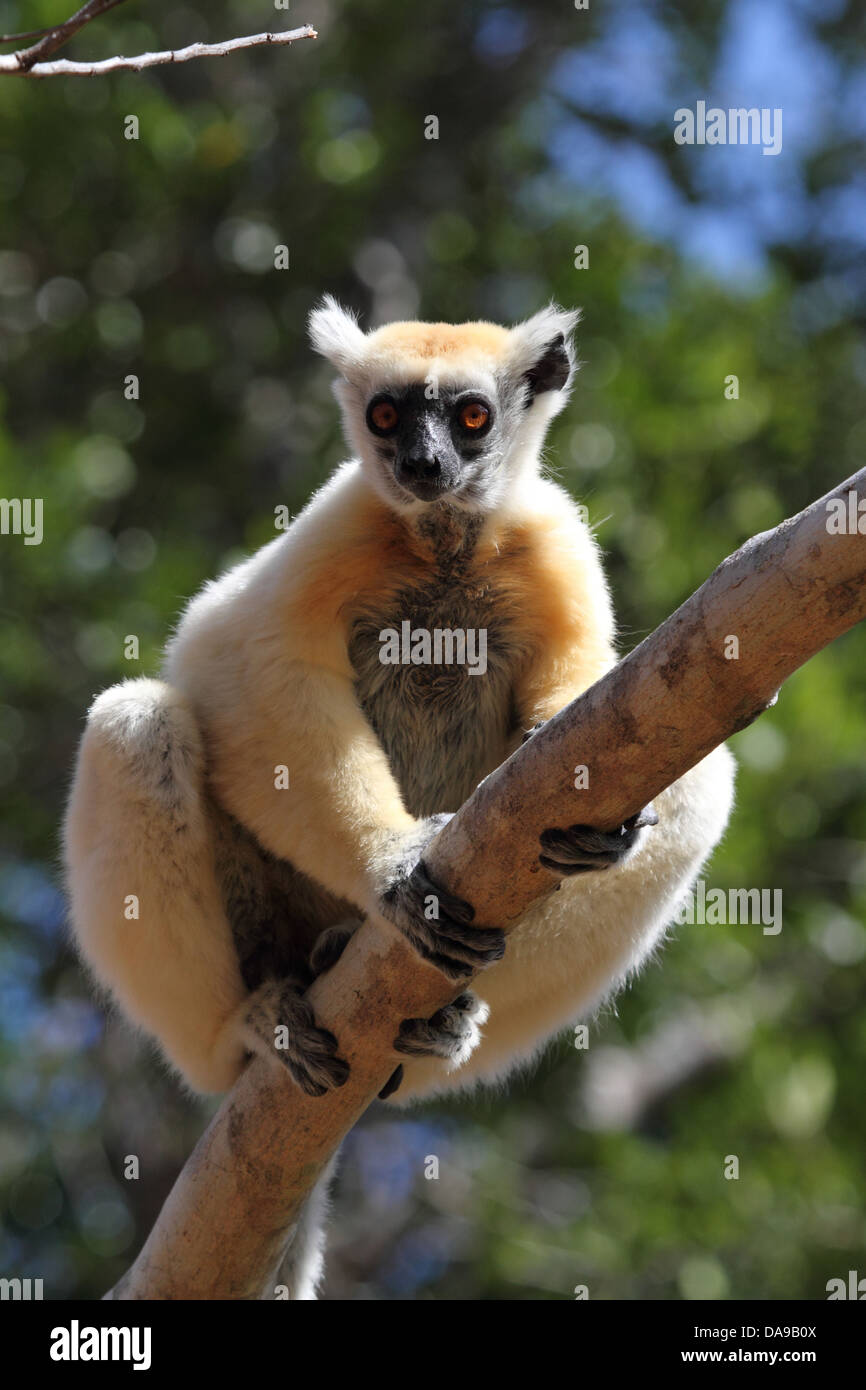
point(569, 614)
point(262, 655)
point(341, 816)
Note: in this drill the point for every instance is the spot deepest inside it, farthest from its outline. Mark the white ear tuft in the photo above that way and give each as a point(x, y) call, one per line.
point(541, 348)
point(334, 332)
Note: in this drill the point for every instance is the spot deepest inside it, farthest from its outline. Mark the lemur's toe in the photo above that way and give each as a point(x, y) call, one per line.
point(311, 1057)
point(318, 1075)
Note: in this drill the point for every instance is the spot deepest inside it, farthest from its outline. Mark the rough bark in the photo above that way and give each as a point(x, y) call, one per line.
point(784, 595)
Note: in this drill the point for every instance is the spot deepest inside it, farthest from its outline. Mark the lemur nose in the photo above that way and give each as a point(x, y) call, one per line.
point(422, 468)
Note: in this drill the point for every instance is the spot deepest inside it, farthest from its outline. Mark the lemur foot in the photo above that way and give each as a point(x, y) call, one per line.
point(579, 849)
point(452, 1032)
point(281, 1024)
point(330, 945)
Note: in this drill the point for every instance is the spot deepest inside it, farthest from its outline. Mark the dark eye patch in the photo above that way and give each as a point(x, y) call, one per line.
point(393, 414)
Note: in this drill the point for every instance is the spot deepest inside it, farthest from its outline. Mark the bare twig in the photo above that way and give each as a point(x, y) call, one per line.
point(785, 594)
point(53, 39)
point(20, 38)
point(62, 67)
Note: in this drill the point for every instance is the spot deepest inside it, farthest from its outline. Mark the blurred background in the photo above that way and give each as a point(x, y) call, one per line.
point(155, 257)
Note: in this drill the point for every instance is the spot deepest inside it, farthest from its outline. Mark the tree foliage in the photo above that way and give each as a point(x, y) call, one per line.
point(153, 258)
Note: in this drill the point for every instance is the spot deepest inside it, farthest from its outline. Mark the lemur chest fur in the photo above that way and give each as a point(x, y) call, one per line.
point(435, 663)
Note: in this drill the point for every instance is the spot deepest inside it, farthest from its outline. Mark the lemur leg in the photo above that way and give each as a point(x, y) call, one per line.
point(145, 905)
point(147, 908)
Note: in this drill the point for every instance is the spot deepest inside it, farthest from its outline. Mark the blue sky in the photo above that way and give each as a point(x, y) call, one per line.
point(771, 54)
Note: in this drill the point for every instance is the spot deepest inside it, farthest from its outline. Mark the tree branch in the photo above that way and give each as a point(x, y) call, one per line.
point(62, 67)
point(784, 595)
point(29, 34)
point(53, 39)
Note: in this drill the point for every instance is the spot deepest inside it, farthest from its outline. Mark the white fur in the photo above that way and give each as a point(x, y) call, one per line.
point(334, 332)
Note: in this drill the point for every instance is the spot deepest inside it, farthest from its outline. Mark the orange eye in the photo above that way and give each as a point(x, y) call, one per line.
point(474, 416)
point(383, 416)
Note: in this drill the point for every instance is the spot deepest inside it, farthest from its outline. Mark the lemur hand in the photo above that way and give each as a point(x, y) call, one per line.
point(434, 921)
point(579, 849)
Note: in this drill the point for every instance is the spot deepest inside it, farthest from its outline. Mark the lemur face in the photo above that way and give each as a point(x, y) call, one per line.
point(439, 445)
point(441, 413)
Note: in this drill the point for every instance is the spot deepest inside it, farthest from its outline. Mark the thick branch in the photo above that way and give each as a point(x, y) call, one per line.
point(62, 67)
point(783, 596)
